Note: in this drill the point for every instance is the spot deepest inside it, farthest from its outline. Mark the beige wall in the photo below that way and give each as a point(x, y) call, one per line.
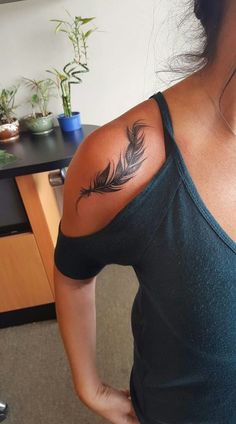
point(134, 38)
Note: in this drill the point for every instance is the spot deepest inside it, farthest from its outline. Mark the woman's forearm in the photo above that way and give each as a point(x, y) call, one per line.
point(76, 316)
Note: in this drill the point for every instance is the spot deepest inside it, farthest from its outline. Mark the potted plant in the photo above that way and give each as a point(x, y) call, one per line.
point(41, 120)
point(71, 73)
point(9, 124)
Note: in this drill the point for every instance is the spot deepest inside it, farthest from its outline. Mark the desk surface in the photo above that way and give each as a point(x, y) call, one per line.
point(39, 153)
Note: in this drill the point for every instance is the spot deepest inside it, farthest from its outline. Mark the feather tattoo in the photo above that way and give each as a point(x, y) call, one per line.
point(114, 176)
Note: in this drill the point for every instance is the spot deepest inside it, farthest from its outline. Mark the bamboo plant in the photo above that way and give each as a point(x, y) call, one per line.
point(71, 72)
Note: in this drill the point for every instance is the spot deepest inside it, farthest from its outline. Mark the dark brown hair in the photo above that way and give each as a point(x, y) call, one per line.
point(210, 14)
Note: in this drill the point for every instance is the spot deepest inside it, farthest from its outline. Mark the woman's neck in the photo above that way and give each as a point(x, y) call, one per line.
point(219, 82)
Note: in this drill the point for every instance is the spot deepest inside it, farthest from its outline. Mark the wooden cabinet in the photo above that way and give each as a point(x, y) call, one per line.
point(21, 296)
point(38, 199)
point(23, 279)
point(26, 259)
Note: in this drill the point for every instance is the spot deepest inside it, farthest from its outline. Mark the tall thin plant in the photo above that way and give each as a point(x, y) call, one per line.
point(71, 72)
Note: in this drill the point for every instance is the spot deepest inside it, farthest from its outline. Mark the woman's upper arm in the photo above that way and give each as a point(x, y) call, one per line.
point(110, 167)
point(99, 182)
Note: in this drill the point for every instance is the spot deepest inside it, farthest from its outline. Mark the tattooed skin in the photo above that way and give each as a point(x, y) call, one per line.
point(113, 177)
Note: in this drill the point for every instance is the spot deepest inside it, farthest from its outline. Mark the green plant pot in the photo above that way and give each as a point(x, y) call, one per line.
point(39, 124)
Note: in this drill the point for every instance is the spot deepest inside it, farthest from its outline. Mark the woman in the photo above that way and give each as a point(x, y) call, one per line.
point(156, 189)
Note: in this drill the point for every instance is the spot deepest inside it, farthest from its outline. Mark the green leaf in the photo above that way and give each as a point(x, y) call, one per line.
point(57, 73)
point(51, 72)
point(86, 20)
point(86, 35)
point(72, 38)
point(35, 98)
point(57, 20)
point(58, 27)
point(6, 158)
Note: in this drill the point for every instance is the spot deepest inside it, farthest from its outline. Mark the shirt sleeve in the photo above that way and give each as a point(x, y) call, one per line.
point(79, 257)
point(85, 256)
point(123, 241)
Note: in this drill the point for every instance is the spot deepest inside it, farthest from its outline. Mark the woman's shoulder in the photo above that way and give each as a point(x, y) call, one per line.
point(110, 167)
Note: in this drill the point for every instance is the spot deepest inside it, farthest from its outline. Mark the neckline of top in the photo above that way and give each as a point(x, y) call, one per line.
point(189, 183)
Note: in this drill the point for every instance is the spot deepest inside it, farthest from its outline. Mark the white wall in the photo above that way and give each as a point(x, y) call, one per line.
point(132, 41)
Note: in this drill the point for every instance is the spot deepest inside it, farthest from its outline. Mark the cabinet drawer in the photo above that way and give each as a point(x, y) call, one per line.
point(23, 280)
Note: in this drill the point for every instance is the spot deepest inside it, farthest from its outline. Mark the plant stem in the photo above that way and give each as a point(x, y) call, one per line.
point(65, 88)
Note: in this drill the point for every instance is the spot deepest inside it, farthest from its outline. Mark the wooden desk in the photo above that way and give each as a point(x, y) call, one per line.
point(26, 272)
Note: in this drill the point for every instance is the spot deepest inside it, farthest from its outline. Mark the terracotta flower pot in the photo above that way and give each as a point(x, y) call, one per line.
point(9, 132)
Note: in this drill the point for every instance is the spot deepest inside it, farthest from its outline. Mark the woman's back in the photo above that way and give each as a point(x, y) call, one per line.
point(158, 222)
